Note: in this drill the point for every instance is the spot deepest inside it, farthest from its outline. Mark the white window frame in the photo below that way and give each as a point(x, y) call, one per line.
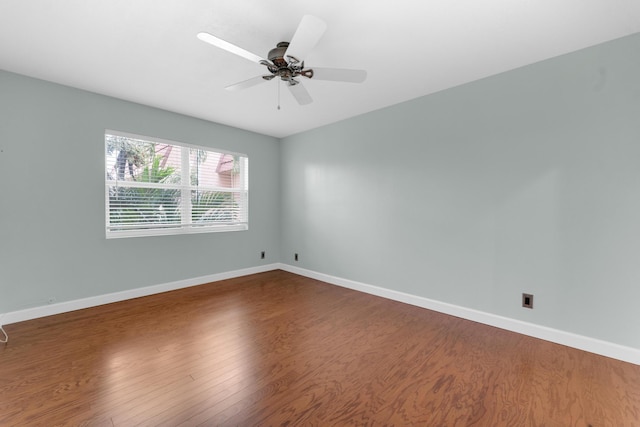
point(185, 226)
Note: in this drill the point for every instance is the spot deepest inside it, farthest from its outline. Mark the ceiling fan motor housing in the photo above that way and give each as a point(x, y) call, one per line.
point(276, 55)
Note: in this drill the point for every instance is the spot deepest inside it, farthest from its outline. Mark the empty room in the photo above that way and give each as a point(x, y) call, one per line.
point(283, 213)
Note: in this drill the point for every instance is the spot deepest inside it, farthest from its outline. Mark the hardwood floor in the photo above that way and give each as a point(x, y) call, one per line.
point(280, 349)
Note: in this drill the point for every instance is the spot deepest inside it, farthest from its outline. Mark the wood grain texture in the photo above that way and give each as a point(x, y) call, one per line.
point(283, 350)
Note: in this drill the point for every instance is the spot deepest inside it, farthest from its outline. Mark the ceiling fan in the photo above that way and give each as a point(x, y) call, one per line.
point(286, 61)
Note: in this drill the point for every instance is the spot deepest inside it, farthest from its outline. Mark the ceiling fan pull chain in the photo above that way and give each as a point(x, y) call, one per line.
point(278, 94)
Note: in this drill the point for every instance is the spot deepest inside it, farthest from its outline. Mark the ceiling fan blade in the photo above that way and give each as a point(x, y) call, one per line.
point(339, 75)
point(300, 93)
point(229, 47)
point(247, 83)
point(306, 37)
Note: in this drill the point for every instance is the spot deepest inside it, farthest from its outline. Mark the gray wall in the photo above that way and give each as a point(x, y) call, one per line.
point(52, 215)
point(528, 181)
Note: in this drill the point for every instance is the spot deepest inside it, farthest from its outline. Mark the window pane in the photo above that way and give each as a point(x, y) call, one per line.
point(212, 170)
point(136, 160)
point(213, 207)
point(143, 207)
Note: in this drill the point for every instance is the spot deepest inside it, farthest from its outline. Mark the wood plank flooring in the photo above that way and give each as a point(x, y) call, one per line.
point(277, 349)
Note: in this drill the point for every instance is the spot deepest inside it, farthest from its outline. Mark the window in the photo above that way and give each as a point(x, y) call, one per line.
point(156, 187)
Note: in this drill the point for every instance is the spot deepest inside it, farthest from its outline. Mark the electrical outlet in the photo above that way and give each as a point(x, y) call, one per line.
point(527, 300)
point(295, 257)
point(262, 254)
point(51, 300)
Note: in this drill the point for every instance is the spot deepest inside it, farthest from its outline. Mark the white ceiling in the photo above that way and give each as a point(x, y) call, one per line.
point(146, 51)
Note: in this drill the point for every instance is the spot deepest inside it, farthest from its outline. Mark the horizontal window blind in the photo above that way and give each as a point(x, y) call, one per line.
point(157, 187)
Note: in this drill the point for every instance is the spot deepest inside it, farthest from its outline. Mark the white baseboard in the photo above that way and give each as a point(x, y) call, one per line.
point(63, 307)
point(592, 345)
